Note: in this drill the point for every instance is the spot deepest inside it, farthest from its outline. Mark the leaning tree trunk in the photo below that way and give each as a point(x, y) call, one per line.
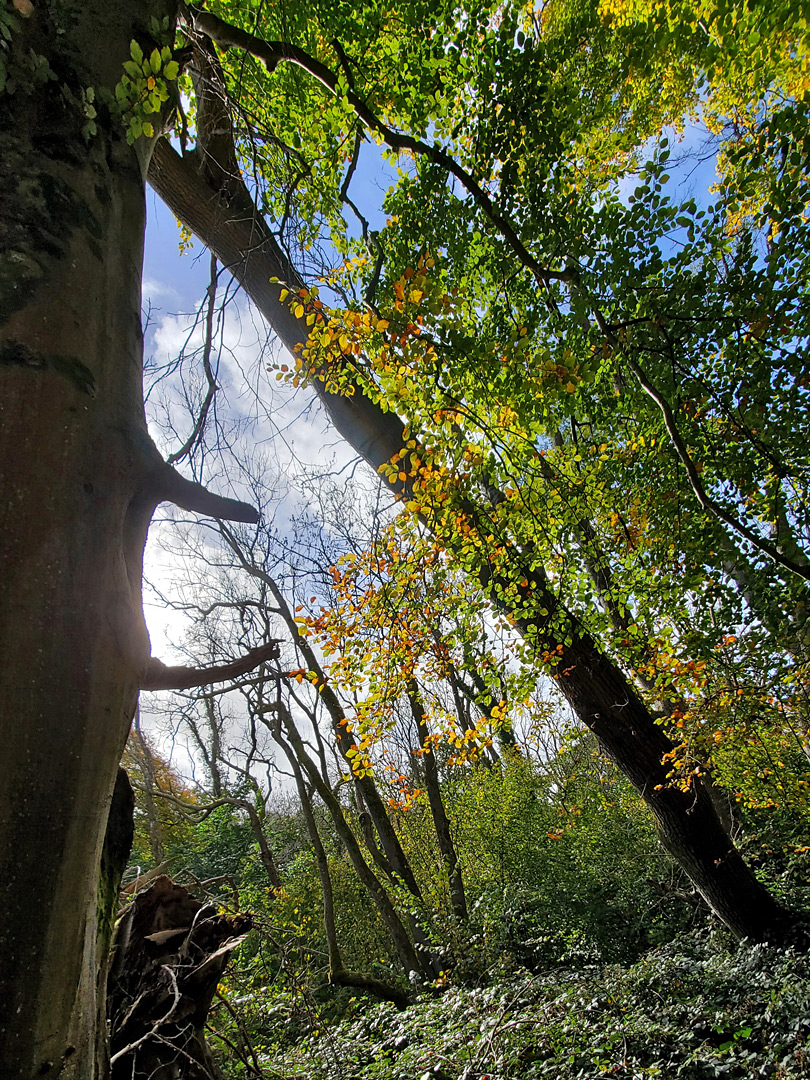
point(80, 480)
point(399, 937)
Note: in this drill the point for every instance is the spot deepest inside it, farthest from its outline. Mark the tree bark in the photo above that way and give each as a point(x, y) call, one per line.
point(402, 943)
point(80, 478)
point(72, 527)
point(689, 826)
point(265, 854)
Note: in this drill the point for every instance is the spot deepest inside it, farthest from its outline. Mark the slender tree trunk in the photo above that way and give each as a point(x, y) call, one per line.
point(369, 879)
point(146, 768)
point(214, 748)
point(394, 859)
point(339, 974)
point(441, 822)
point(265, 854)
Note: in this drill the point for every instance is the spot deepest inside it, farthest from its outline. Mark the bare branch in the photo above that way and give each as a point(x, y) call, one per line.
point(160, 677)
point(158, 1024)
point(344, 188)
point(199, 425)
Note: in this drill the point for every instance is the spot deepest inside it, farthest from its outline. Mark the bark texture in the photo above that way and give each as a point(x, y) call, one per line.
point(75, 466)
point(80, 478)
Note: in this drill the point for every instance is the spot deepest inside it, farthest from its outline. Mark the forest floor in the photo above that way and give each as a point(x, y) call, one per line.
point(695, 1008)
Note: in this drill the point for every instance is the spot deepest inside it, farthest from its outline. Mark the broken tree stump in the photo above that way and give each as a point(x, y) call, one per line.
point(170, 951)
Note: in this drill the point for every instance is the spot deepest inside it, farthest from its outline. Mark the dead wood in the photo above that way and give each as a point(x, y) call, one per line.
point(169, 954)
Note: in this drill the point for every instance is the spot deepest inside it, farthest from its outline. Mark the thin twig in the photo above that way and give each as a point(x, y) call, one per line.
point(159, 1024)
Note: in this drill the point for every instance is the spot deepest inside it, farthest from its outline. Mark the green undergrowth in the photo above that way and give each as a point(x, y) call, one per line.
point(694, 1008)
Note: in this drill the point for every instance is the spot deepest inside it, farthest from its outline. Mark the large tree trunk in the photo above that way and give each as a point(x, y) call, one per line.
point(596, 687)
point(72, 526)
point(688, 823)
point(80, 480)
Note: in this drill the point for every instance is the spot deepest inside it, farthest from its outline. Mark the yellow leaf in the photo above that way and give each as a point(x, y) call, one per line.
point(299, 311)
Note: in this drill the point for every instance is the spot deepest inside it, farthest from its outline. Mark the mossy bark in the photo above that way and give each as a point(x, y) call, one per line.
point(75, 467)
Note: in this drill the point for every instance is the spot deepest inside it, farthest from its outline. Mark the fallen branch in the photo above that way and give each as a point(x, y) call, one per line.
point(162, 1020)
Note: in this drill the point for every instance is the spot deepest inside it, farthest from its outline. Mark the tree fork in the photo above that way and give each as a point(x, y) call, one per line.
point(392, 850)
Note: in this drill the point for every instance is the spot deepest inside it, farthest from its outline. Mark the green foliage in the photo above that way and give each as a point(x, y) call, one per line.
point(691, 1009)
point(563, 862)
point(144, 88)
point(559, 397)
point(8, 24)
point(603, 370)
